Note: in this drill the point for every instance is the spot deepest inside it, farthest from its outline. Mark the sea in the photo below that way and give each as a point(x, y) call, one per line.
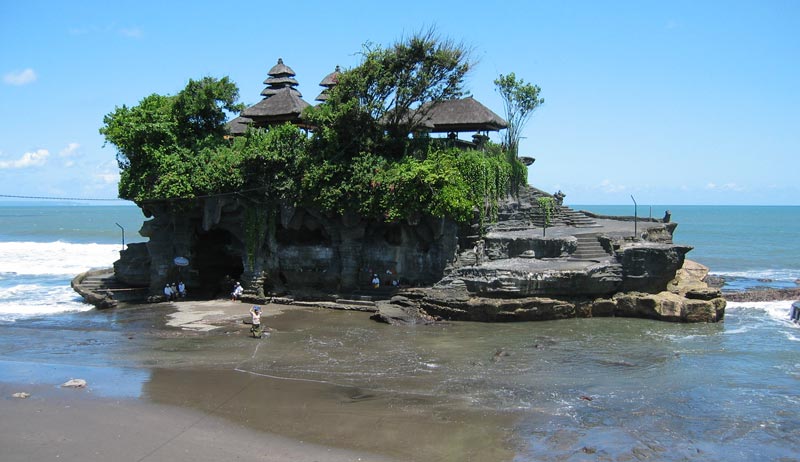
point(42, 247)
point(583, 389)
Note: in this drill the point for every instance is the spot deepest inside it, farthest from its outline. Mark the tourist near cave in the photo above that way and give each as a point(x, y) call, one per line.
point(391, 176)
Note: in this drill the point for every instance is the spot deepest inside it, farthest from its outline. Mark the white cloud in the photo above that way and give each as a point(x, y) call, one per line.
point(724, 187)
point(29, 159)
point(69, 150)
point(609, 187)
point(131, 32)
point(107, 178)
point(22, 77)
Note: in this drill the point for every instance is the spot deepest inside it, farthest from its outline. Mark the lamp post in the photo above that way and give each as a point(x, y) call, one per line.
point(635, 218)
point(123, 235)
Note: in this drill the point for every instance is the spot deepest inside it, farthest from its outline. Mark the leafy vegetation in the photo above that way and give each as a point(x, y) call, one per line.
point(359, 158)
point(547, 206)
point(165, 143)
point(520, 99)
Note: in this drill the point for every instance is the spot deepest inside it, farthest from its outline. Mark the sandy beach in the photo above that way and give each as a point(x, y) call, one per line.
point(204, 393)
point(72, 425)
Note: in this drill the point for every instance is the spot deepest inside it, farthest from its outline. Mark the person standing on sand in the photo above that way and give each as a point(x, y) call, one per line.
point(168, 292)
point(255, 312)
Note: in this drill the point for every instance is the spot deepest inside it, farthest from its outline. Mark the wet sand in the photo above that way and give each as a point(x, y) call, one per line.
point(72, 425)
point(208, 395)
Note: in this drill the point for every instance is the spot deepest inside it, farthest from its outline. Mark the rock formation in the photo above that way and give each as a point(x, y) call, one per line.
point(517, 269)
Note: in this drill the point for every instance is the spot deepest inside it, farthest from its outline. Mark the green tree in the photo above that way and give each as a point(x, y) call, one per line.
point(520, 99)
point(389, 90)
point(201, 109)
point(160, 142)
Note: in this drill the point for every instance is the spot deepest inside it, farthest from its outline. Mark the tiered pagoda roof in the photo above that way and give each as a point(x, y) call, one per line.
point(282, 102)
point(328, 82)
point(283, 106)
point(280, 76)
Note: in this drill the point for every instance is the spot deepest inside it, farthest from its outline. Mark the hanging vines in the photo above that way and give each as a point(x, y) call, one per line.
point(255, 223)
point(546, 205)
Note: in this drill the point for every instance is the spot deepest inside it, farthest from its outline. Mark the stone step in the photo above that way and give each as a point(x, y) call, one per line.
point(360, 301)
point(589, 248)
point(588, 256)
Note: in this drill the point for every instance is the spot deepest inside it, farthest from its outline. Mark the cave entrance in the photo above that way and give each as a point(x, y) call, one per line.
point(217, 262)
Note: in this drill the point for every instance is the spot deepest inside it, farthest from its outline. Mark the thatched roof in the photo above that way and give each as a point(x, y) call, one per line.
point(281, 70)
point(462, 115)
point(280, 76)
point(238, 125)
point(331, 79)
point(269, 91)
point(280, 81)
point(328, 82)
point(285, 105)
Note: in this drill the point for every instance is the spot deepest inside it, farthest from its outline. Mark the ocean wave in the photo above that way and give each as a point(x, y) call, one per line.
point(778, 310)
point(778, 275)
point(54, 258)
point(27, 300)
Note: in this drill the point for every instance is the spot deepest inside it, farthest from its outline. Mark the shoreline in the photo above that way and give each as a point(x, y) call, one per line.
point(207, 393)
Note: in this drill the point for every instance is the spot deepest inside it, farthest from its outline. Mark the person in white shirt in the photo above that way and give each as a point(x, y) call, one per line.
point(255, 312)
point(237, 292)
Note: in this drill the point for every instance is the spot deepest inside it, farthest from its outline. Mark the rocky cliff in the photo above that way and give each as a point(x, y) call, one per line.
point(516, 269)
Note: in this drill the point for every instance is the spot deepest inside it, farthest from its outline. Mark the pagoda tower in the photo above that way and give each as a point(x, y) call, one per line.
point(280, 76)
point(282, 102)
point(327, 83)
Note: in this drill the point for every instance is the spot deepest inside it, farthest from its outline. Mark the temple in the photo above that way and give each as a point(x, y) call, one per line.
point(283, 103)
point(539, 260)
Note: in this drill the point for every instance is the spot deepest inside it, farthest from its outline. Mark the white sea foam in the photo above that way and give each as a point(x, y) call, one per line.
point(35, 276)
point(24, 300)
point(778, 310)
point(54, 258)
point(782, 275)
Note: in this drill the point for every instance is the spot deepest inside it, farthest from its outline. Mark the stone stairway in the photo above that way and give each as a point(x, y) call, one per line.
point(523, 212)
point(589, 248)
point(507, 283)
point(101, 282)
point(95, 285)
point(576, 219)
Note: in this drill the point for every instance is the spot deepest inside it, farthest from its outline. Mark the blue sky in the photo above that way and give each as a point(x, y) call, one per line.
point(680, 102)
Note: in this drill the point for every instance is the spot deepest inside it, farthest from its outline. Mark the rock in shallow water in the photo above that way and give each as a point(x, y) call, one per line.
point(74, 383)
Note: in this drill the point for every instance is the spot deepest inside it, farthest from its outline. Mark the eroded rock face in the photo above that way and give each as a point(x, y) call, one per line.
point(515, 272)
point(689, 301)
point(133, 266)
point(649, 267)
point(284, 249)
point(500, 247)
point(515, 278)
